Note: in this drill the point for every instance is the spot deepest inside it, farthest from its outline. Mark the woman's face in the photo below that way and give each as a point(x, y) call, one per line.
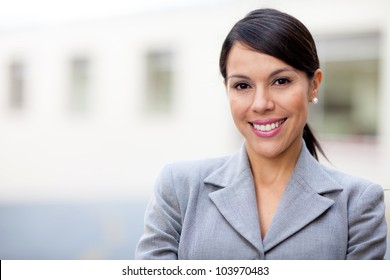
point(268, 100)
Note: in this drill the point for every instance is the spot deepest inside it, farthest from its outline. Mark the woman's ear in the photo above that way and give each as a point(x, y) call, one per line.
point(315, 84)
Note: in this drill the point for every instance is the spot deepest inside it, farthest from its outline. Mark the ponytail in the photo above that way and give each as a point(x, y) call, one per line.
point(312, 143)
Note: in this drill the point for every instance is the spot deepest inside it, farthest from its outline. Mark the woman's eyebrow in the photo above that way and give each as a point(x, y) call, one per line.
point(273, 73)
point(285, 69)
point(238, 76)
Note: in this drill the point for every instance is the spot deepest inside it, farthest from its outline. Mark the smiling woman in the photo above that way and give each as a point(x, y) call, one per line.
point(273, 199)
point(268, 99)
point(269, 107)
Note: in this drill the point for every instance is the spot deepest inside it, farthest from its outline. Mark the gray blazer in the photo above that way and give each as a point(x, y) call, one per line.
point(207, 210)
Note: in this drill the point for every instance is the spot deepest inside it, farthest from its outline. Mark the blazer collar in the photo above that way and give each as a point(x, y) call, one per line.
point(301, 203)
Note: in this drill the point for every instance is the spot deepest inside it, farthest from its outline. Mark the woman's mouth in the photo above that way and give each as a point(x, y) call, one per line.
point(267, 128)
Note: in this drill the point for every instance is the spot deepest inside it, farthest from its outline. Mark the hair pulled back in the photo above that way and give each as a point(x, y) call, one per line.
point(282, 36)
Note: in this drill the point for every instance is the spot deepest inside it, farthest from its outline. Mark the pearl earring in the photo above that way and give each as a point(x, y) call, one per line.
point(314, 100)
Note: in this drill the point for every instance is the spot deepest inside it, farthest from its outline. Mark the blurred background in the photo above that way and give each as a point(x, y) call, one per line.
point(97, 96)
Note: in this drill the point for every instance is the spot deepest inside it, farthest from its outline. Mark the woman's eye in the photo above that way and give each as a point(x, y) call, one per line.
point(281, 81)
point(241, 86)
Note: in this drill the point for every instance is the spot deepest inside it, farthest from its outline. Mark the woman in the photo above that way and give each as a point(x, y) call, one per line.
point(273, 199)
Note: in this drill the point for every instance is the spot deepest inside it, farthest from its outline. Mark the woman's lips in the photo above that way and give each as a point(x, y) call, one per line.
point(268, 127)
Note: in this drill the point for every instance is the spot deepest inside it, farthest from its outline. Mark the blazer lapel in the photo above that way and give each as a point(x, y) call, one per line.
point(236, 199)
point(302, 201)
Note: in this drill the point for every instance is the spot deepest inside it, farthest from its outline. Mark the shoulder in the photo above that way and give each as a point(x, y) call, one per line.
point(182, 183)
point(326, 179)
point(356, 188)
point(192, 170)
point(363, 203)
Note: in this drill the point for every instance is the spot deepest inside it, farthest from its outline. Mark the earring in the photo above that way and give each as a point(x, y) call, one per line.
point(314, 100)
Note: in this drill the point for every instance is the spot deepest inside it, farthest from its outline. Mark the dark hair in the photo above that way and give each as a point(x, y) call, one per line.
point(280, 35)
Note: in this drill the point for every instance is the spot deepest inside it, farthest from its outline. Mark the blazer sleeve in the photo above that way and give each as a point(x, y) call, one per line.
point(367, 225)
point(162, 227)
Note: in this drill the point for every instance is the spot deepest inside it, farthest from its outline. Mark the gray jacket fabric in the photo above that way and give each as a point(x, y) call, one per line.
point(207, 210)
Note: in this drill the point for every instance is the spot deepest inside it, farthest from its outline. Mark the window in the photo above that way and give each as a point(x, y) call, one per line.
point(159, 81)
point(349, 93)
point(350, 97)
point(16, 85)
point(80, 82)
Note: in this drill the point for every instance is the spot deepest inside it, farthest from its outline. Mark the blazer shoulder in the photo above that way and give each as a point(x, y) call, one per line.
point(193, 170)
point(352, 184)
point(367, 229)
point(183, 181)
point(186, 174)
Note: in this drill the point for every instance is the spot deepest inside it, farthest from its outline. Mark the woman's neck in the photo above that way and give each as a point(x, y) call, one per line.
point(275, 171)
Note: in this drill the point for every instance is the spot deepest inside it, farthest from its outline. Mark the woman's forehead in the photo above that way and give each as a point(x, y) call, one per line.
point(242, 57)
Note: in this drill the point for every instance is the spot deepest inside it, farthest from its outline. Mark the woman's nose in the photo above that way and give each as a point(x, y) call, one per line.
point(262, 101)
